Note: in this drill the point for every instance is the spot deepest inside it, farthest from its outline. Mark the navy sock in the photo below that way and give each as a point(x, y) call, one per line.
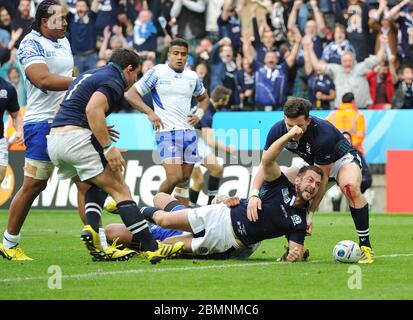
point(94, 202)
point(148, 213)
point(133, 219)
point(193, 196)
point(361, 221)
point(213, 185)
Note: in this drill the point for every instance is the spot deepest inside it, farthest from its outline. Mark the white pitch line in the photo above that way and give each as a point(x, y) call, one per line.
point(223, 266)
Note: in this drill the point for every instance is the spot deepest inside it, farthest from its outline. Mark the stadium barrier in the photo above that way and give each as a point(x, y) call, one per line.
point(398, 179)
point(246, 131)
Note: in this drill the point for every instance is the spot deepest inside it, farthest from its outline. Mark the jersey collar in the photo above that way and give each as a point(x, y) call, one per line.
point(42, 35)
point(119, 69)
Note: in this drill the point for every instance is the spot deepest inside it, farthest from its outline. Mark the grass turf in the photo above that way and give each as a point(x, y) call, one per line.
point(52, 238)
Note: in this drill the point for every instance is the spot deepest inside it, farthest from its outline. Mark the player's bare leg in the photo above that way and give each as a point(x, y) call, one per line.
point(22, 202)
point(349, 179)
point(174, 175)
point(2, 173)
point(215, 172)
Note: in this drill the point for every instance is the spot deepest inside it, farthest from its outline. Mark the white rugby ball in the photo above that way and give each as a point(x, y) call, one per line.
point(347, 251)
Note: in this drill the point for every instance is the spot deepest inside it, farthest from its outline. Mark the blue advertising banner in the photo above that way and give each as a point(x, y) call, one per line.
point(386, 130)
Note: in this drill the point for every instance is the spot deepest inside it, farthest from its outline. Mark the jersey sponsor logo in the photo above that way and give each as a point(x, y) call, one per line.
point(50, 54)
point(3, 94)
point(292, 145)
point(165, 82)
point(308, 148)
point(241, 229)
point(296, 219)
point(286, 195)
point(284, 211)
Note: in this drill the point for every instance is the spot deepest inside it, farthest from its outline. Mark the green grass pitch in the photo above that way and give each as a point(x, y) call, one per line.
point(52, 239)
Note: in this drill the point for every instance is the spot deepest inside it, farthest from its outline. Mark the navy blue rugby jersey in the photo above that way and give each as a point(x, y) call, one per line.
point(278, 217)
point(321, 144)
point(108, 80)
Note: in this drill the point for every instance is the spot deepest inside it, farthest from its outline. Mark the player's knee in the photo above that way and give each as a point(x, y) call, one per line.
point(110, 232)
point(34, 187)
point(351, 190)
point(216, 170)
point(161, 198)
point(175, 179)
point(199, 182)
point(162, 219)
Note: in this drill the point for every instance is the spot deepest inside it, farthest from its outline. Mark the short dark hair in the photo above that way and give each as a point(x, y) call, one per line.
point(348, 97)
point(85, 1)
point(43, 11)
point(125, 57)
point(219, 93)
point(316, 169)
point(179, 42)
point(295, 107)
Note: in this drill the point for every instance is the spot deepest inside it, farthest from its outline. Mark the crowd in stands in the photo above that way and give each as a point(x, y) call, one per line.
point(263, 50)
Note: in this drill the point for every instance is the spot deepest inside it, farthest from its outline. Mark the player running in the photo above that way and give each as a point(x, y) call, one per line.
point(220, 227)
point(324, 146)
point(172, 87)
point(46, 58)
point(80, 146)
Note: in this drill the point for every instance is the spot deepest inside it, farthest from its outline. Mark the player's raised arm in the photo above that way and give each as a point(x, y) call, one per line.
point(271, 168)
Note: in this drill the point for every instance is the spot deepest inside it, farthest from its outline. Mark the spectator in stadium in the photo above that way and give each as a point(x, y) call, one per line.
point(381, 81)
point(107, 15)
point(355, 18)
point(229, 24)
point(246, 82)
point(264, 44)
point(278, 13)
point(350, 76)
point(203, 52)
point(213, 11)
point(333, 51)
point(403, 96)
point(145, 35)
point(347, 118)
point(405, 22)
point(5, 22)
point(314, 29)
point(201, 70)
point(22, 20)
point(111, 42)
point(321, 88)
point(14, 77)
point(271, 78)
point(82, 34)
point(382, 23)
point(190, 17)
point(223, 70)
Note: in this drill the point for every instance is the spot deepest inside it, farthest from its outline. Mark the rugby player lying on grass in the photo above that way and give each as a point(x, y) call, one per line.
point(223, 226)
